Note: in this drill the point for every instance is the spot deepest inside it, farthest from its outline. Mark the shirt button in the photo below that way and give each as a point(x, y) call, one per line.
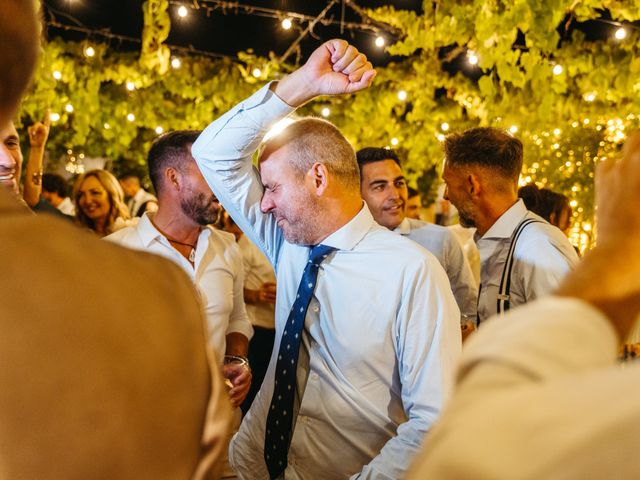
point(315, 377)
point(316, 309)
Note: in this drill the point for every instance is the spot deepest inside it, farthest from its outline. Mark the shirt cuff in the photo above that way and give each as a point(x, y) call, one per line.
point(240, 326)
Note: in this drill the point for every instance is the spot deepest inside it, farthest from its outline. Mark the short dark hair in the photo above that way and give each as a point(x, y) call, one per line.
point(169, 150)
point(486, 147)
point(412, 192)
point(375, 154)
point(543, 201)
point(54, 183)
point(126, 175)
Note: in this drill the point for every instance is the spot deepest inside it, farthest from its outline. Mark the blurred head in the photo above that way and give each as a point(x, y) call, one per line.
point(177, 179)
point(310, 178)
point(54, 188)
point(414, 204)
point(19, 44)
point(99, 201)
point(130, 184)
point(481, 165)
point(10, 158)
point(228, 225)
point(554, 207)
point(382, 185)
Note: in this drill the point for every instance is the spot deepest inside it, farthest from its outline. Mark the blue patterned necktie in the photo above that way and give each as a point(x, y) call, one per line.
point(280, 418)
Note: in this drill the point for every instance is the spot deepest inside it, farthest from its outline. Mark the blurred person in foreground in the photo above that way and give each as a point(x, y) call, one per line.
point(82, 396)
point(540, 392)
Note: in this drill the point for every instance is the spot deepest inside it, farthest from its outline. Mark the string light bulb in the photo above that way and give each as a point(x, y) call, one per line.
point(175, 63)
point(513, 129)
point(440, 137)
point(89, 51)
point(68, 108)
point(159, 130)
point(106, 126)
point(472, 58)
point(325, 112)
point(590, 97)
point(402, 95)
point(55, 117)
point(287, 23)
point(380, 41)
point(182, 11)
point(621, 33)
point(131, 86)
point(444, 127)
point(131, 117)
point(257, 72)
point(394, 141)
point(558, 69)
point(57, 75)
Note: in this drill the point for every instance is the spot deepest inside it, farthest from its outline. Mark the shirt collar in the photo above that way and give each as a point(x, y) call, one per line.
point(349, 235)
point(404, 228)
point(147, 231)
point(508, 221)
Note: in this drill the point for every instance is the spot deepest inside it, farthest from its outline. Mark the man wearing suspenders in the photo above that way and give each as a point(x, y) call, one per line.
point(522, 256)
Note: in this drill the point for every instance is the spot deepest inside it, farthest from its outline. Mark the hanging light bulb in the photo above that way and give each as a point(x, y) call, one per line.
point(131, 86)
point(257, 72)
point(325, 112)
point(380, 41)
point(513, 129)
point(182, 11)
point(621, 33)
point(287, 24)
point(131, 117)
point(57, 75)
point(175, 62)
point(444, 127)
point(89, 51)
point(402, 95)
point(394, 141)
point(159, 130)
point(472, 58)
point(558, 69)
point(68, 108)
point(55, 117)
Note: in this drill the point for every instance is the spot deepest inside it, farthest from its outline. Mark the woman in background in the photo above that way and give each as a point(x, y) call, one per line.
point(99, 202)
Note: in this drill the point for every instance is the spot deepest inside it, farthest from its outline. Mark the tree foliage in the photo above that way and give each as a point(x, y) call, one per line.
point(567, 119)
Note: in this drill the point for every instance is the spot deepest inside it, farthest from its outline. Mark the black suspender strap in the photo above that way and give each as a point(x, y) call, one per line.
point(503, 302)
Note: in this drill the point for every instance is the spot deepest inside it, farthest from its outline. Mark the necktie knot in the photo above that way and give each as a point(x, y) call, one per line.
point(318, 253)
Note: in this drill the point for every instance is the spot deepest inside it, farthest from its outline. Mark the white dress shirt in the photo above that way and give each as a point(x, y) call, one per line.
point(66, 206)
point(443, 244)
point(138, 200)
point(257, 271)
point(381, 335)
point(542, 256)
point(539, 395)
point(217, 274)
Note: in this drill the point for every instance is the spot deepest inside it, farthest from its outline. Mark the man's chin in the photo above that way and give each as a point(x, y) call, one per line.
point(11, 186)
point(466, 222)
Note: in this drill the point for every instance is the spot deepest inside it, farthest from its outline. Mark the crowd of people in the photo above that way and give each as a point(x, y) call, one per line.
point(293, 318)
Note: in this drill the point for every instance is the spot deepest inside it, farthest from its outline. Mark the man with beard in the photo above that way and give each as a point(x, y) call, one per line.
point(522, 256)
point(367, 329)
point(181, 231)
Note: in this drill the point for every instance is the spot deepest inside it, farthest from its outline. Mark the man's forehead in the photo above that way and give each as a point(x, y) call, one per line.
point(387, 167)
point(8, 129)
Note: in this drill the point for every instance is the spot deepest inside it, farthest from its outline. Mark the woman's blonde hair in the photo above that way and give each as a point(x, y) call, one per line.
point(117, 207)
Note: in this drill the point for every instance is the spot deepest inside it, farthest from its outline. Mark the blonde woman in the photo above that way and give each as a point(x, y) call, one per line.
point(99, 202)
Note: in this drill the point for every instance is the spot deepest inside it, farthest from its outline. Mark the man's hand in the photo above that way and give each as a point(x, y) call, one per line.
point(39, 131)
point(239, 378)
point(334, 68)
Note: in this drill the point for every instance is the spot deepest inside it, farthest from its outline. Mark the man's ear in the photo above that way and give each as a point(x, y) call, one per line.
point(319, 177)
point(173, 179)
point(474, 184)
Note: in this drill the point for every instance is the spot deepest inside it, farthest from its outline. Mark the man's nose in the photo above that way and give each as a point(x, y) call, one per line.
point(6, 159)
point(266, 204)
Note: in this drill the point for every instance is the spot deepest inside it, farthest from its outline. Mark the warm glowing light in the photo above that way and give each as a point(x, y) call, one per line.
point(182, 11)
point(444, 127)
point(558, 69)
point(573, 203)
point(402, 95)
point(380, 42)
point(257, 72)
point(620, 34)
point(57, 75)
point(89, 51)
point(326, 111)
point(131, 86)
point(441, 137)
point(513, 129)
point(131, 117)
point(287, 24)
point(394, 141)
point(68, 108)
point(472, 58)
point(159, 130)
point(55, 117)
point(590, 97)
point(586, 227)
point(175, 62)
point(557, 132)
point(278, 128)
point(106, 126)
